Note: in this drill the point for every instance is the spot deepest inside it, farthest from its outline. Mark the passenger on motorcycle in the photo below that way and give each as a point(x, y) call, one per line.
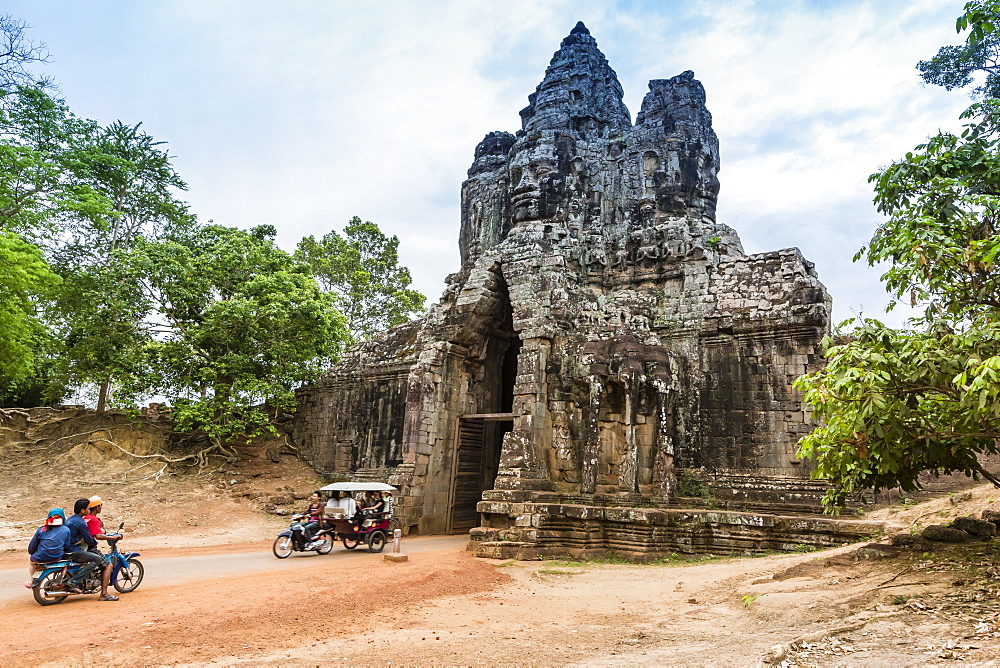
point(85, 551)
point(94, 506)
point(315, 514)
point(50, 543)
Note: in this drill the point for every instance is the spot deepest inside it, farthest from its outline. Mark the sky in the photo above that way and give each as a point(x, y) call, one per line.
point(302, 114)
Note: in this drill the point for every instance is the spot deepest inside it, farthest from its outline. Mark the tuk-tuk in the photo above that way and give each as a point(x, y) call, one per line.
point(373, 528)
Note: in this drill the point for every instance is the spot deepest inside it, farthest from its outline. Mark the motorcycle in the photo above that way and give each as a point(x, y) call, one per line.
point(50, 586)
point(293, 539)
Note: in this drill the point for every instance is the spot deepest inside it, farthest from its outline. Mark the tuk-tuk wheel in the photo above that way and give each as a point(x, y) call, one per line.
point(350, 542)
point(376, 540)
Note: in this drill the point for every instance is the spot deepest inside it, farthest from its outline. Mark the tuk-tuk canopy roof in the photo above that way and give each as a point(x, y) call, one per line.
point(358, 487)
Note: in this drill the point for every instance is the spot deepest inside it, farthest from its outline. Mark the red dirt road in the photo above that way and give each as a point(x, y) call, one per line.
point(198, 613)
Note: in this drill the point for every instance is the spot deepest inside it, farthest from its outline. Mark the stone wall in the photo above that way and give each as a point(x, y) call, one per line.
point(354, 414)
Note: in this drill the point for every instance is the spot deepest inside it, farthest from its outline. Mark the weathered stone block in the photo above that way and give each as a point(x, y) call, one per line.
point(981, 529)
point(943, 534)
point(907, 540)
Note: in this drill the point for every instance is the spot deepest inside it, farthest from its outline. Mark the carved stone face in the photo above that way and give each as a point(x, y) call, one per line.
point(536, 182)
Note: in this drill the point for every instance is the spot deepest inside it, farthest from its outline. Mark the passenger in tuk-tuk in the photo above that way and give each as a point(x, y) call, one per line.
point(349, 506)
point(374, 504)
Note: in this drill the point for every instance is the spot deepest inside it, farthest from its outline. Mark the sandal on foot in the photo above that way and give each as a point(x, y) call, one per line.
point(108, 597)
point(29, 584)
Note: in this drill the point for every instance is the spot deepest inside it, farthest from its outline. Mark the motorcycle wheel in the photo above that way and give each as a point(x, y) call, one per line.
point(282, 547)
point(376, 541)
point(350, 543)
point(41, 591)
point(129, 578)
point(326, 547)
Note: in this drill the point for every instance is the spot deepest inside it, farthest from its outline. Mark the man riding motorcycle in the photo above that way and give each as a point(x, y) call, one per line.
point(91, 556)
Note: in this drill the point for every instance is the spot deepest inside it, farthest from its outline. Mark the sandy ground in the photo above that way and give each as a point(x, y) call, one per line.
point(215, 596)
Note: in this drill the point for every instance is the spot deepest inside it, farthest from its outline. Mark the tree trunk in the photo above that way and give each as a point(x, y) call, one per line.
point(102, 397)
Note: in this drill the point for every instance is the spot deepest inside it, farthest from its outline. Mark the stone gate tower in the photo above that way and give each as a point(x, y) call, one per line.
point(605, 345)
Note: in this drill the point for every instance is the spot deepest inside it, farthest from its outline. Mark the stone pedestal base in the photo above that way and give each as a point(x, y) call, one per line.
point(530, 525)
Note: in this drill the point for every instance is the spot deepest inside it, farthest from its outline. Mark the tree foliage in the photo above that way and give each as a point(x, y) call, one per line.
point(107, 278)
point(243, 324)
point(896, 403)
point(36, 131)
point(40, 141)
point(100, 311)
point(24, 279)
point(361, 268)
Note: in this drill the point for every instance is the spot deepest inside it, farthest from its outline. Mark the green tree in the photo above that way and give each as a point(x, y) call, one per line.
point(243, 325)
point(25, 278)
point(39, 142)
point(956, 66)
point(362, 269)
point(37, 133)
point(896, 403)
point(101, 310)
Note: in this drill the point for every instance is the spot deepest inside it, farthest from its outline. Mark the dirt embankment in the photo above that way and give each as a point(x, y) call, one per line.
point(53, 457)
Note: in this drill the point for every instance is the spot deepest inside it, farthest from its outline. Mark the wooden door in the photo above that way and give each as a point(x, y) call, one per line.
point(467, 488)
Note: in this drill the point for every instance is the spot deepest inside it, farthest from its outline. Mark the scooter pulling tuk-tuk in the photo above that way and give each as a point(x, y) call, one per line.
point(372, 528)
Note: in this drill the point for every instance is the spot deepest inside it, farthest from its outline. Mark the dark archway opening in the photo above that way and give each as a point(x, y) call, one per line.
point(479, 437)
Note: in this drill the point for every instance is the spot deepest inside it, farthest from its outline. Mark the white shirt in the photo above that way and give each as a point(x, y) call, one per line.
point(349, 505)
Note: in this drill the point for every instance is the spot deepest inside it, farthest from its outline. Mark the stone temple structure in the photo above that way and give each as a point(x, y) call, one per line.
point(608, 370)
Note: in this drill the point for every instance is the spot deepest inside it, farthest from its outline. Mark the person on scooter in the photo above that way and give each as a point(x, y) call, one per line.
point(85, 552)
point(50, 543)
point(315, 514)
point(94, 506)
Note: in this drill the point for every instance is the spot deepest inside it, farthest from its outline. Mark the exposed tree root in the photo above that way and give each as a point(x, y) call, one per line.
point(124, 481)
point(201, 458)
